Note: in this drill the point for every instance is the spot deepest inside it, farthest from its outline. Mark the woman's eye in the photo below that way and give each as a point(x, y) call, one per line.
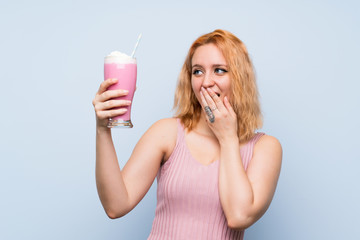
point(197, 72)
point(220, 70)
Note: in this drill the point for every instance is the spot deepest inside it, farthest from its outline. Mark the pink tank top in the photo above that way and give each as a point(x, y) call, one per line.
point(188, 202)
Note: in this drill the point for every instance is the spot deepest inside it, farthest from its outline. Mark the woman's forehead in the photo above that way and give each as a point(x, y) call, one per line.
point(208, 54)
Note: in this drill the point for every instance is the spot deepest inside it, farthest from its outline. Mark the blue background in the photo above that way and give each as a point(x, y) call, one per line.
point(306, 55)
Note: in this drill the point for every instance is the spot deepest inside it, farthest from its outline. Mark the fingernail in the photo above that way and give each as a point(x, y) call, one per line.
point(125, 91)
point(128, 102)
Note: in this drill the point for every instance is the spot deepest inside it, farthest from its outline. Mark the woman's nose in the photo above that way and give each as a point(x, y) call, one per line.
point(208, 81)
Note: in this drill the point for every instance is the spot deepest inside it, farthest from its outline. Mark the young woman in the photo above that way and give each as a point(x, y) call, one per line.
point(216, 175)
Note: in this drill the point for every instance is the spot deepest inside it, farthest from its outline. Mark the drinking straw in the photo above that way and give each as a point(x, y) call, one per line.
point(136, 45)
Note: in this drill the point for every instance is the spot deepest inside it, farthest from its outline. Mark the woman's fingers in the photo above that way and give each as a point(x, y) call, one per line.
point(105, 84)
point(208, 104)
point(209, 101)
point(215, 98)
point(111, 108)
point(106, 102)
point(103, 95)
point(203, 100)
point(109, 94)
point(111, 113)
point(101, 106)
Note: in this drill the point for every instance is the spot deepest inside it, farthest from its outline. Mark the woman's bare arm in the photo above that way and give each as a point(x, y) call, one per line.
point(121, 190)
point(246, 195)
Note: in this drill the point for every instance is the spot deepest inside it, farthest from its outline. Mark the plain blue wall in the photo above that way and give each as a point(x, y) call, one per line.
point(306, 55)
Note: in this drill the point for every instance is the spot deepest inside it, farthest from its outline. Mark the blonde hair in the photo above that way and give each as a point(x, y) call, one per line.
point(244, 94)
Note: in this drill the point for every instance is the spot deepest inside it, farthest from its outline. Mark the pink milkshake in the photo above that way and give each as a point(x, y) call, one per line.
point(124, 68)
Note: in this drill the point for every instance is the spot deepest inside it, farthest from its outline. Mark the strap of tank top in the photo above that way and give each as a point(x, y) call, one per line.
point(179, 142)
point(257, 137)
point(179, 139)
point(180, 131)
point(250, 148)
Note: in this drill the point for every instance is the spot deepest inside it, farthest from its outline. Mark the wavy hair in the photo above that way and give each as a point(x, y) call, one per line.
point(244, 93)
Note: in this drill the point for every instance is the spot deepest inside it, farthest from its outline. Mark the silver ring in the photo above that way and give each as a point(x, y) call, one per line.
point(210, 114)
point(213, 109)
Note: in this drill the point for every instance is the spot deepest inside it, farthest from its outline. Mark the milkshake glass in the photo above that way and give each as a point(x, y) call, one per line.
point(124, 68)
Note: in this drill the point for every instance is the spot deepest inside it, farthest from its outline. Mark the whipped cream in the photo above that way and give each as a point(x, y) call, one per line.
point(119, 57)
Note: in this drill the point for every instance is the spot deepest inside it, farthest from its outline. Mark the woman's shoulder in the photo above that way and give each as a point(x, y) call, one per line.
point(162, 129)
point(166, 125)
point(265, 140)
point(268, 139)
point(268, 145)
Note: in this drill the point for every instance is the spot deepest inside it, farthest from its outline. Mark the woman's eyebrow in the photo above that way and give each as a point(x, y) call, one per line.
point(196, 65)
point(215, 65)
point(219, 65)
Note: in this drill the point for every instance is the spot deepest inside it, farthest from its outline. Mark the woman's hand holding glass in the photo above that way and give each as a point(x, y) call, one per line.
point(224, 125)
point(106, 106)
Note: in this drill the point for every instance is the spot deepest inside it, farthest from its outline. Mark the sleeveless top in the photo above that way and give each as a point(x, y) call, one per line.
point(188, 201)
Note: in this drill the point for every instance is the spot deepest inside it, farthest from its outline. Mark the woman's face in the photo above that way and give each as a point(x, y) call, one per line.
point(210, 70)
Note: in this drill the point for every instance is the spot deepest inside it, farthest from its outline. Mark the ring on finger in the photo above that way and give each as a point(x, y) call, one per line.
point(210, 114)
